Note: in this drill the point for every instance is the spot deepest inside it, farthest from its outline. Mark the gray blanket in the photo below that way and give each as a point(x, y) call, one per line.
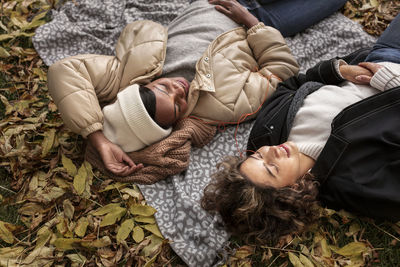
point(93, 26)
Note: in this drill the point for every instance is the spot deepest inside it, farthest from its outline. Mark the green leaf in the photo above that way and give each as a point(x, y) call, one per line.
point(125, 230)
point(142, 210)
point(154, 229)
point(138, 234)
point(68, 165)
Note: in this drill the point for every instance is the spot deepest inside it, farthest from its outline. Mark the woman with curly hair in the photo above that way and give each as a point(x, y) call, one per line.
point(338, 123)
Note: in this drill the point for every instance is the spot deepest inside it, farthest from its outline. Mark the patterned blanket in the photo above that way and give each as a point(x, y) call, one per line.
point(93, 26)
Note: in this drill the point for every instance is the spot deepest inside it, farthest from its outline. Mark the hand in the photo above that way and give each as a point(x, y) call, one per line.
point(353, 73)
point(114, 158)
point(372, 67)
point(235, 11)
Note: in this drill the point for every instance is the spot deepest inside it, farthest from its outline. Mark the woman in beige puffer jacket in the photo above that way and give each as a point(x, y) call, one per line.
point(233, 77)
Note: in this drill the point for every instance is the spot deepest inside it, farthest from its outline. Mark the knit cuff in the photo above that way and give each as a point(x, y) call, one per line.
point(255, 28)
point(311, 150)
point(91, 129)
point(385, 79)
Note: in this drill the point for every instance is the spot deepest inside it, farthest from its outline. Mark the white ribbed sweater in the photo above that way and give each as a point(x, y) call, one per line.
point(312, 123)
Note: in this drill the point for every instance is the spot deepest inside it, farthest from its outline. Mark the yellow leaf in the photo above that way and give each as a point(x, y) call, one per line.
point(69, 209)
point(145, 219)
point(48, 141)
point(125, 230)
point(374, 3)
point(9, 108)
point(152, 260)
point(5, 234)
point(43, 236)
point(142, 210)
point(353, 229)
point(135, 193)
point(39, 257)
point(3, 52)
point(352, 249)
point(68, 165)
point(154, 229)
point(5, 37)
point(295, 260)
point(81, 226)
point(80, 180)
point(306, 262)
point(77, 258)
point(10, 252)
point(39, 72)
point(326, 251)
point(66, 243)
point(244, 252)
point(113, 217)
point(117, 185)
point(98, 243)
point(155, 243)
point(106, 209)
point(138, 234)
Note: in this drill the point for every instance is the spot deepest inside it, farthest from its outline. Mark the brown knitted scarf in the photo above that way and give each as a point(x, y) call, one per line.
point(167, 157)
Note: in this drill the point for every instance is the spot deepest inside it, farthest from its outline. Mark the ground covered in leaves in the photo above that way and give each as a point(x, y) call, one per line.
point(56, 210)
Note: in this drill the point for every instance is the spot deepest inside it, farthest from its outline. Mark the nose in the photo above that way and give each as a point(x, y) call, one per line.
point(179, 91)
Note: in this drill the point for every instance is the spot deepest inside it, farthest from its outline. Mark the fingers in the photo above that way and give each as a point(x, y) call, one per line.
point(373, 67)
point(363, 79)
point(122, 169)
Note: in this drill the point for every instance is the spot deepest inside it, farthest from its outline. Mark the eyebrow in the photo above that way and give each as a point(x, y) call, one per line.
point(265, 166)
point(165, 92)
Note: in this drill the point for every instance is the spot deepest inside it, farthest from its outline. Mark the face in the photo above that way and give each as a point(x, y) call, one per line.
point(171, 99)
point(275, 166)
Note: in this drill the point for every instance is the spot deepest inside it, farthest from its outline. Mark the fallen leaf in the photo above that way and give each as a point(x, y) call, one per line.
point(154, 229)
point(125, 230)
point(138, 234)
point(5, 234)
point(295, 260)
point(81, 226)
point(142, 210)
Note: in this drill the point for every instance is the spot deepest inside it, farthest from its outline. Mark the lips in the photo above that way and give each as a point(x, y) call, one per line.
point(286, 148)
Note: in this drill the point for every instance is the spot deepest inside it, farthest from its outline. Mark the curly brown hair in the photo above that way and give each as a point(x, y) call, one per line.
point(257, 214)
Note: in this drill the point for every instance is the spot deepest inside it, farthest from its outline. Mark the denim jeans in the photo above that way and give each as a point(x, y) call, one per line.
point(387, 47)
point(291, 16)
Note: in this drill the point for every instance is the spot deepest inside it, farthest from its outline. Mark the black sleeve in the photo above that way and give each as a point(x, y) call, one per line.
point(325, 72)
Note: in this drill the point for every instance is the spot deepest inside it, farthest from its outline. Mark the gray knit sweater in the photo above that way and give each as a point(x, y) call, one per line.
point(190, 34)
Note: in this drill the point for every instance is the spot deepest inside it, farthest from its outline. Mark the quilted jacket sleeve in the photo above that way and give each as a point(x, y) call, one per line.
point(273, 56)
point(81, 85)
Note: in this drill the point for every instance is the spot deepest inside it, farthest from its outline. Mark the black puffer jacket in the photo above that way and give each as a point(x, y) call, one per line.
point(359, 167)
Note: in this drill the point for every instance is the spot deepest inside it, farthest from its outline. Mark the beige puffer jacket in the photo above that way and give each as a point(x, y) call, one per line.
point(232, 78)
